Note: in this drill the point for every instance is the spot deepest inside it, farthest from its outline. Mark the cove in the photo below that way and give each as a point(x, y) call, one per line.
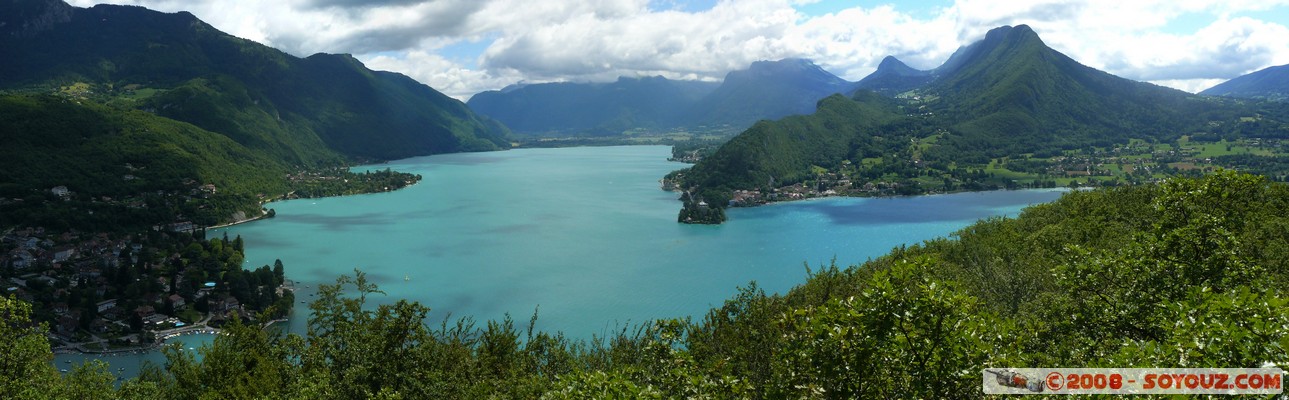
point(584, 235)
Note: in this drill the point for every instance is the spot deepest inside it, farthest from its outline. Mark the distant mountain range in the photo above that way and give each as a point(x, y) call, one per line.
point(592, 108)
point(1270, 84)
point(766, 90)
point(1005, 96)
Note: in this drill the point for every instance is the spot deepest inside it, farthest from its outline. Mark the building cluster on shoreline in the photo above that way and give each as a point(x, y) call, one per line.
point(102, 292)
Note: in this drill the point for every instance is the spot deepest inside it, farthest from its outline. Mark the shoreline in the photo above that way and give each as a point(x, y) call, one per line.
point(80, 349)
point(891, 196)
point(262, 215)
point(895, 196)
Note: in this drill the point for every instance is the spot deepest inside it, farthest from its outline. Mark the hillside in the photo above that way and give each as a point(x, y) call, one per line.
point(121, 167)
point(1271, 83)
point(302, 110)
point(1021, 94)
point(592, 108)
point(134, 111)
point(766, 90)
point(1006, 111)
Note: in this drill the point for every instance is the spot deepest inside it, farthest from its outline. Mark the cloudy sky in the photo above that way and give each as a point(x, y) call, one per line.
point(462, 47)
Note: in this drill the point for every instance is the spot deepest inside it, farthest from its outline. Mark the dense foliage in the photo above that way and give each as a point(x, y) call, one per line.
point(1189, 273)
point(124, 169)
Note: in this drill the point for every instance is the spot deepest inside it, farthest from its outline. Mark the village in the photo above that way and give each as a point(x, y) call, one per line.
point(1134, 163)
point(103, 292)
point(122, 273)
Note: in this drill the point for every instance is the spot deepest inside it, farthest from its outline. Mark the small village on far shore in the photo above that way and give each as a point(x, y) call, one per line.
point(1135, 163)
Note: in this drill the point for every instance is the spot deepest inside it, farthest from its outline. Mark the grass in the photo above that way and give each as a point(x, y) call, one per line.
point(1003, 172)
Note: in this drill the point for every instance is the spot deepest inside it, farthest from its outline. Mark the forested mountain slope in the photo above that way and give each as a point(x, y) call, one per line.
point(298, 109)
point(139, 117)
point(1271, 83)
point(1007, 104)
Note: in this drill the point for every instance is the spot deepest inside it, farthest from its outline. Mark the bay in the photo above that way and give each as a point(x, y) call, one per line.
point(586, 234)
point(583, 236)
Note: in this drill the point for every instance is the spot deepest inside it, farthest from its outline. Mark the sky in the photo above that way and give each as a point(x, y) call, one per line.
point(462, 47)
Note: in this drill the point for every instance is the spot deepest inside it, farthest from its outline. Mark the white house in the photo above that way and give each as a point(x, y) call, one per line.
point(60, 191)
point(106, 305)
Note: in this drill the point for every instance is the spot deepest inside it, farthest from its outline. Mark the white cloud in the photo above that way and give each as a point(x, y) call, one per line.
point(573, 40)
point(448, 77)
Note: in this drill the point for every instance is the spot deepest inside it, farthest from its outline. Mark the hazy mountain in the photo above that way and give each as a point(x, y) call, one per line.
point(595, 108)
point(298, 109)
point(1271, 84)
point(893, 77)
point(766, 90)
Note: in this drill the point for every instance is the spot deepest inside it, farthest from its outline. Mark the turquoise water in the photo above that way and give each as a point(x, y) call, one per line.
point(584, 234)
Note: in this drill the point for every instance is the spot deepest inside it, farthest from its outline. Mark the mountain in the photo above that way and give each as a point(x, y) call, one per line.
point(304, 110)
point(766, 90)
point(1005, 96)
point(1271, 84)
point(893, 77)
point(1014, 90)
point(119, 118)
point(595, 108)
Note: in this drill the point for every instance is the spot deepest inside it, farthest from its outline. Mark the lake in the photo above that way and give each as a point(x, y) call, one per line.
point(584, 236)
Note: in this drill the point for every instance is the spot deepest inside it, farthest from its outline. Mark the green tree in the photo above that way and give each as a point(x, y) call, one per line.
point(25, 371)
point(907, 335)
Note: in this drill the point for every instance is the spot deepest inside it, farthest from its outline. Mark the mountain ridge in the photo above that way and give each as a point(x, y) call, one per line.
point(605, 108)
point(1271, 83)
point(1003, 97)
point(120, 45)
point(765, 90)
point(148, 108)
